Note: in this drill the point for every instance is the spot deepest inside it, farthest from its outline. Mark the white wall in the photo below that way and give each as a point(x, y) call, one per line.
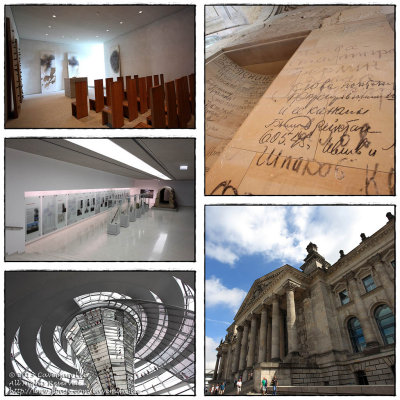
point(165, 46)
point(91, 59)
point(14, 31)
point(29, 172)
point(184, 190)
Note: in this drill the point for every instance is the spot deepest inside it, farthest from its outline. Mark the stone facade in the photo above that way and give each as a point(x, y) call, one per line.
point(295, 323)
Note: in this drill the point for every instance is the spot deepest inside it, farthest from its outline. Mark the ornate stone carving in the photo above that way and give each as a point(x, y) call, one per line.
point(375, 259)
point(349, 276)
point(290, 285)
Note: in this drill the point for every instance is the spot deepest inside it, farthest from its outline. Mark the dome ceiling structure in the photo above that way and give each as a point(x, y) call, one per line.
point(42, 307)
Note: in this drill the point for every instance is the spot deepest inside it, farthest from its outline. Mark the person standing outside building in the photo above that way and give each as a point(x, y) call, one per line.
point(264, 384)
point(274, 384)
point(239, 386)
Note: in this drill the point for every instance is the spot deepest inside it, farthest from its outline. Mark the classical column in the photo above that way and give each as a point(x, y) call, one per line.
point(228, 364)
point(221, 366)
point(309, 323)
point(262, 347)
point(243, 349)
point(237, 349)
point(362, 313)
point(291, 318)
point(252, 342)
point(387, 283)
point(216, 367)
point(275, 330)
point(269, 337)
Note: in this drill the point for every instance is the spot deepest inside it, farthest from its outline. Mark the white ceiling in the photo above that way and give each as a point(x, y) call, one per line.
point(84, 22)
point(165, 155)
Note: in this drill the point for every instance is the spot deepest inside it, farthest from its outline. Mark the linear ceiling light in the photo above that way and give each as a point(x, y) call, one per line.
point(109, 149)
point(183, 167)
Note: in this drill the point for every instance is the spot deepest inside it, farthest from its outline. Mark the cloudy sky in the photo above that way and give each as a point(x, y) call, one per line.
point(244, 243)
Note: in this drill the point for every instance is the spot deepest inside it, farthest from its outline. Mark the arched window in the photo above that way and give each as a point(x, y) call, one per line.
point(385, 319)
point(356, 334)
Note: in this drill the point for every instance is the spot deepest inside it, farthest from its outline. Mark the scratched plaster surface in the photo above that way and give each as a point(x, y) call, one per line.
point(326, 123)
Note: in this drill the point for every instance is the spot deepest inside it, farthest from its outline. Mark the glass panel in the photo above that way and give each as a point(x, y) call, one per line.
point(356, 335)
point(385, 321)
point(32, 218)
point(369, 283)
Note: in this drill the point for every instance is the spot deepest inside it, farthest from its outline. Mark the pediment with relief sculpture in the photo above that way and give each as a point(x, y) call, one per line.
point(262, 285)
point(258, 289)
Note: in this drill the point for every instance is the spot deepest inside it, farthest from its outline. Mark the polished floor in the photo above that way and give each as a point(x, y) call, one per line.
point(158, 235)
point(53, 110)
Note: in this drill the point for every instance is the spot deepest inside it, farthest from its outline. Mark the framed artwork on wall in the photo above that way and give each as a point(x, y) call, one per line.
point(73, 65)
point(115, 61)
point(146, 193)
point(48, 71)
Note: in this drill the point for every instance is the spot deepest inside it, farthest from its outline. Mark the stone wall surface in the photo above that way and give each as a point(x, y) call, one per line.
point(326, 123)
point(231, 94)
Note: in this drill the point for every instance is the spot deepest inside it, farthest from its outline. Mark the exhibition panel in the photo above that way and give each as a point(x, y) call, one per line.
point(45, 213)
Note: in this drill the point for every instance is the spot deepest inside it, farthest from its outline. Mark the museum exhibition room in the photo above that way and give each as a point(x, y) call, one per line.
point(99, 199)
point(99, 66)
point(300, 100)
point(99, 333)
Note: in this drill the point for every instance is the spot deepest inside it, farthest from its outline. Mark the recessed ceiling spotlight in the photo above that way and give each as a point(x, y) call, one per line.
point(121, 22)
point(54, 16)
point(46, 34)
point(140, 12)
point(97, 35)
point(49, 26)
point(107, 30)
point(183, 167)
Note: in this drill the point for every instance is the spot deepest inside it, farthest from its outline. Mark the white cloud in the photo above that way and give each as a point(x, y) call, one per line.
point(282, 233)
point(211, 354)
point(220, 253)
point(219, 295)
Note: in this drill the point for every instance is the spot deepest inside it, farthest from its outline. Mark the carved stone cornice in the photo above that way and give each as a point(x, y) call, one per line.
point(339, 286)
point(363, 270)
point(364, 246)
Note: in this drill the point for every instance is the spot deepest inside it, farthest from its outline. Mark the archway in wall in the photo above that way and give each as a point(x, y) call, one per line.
point(166, 198)
point(164, 195)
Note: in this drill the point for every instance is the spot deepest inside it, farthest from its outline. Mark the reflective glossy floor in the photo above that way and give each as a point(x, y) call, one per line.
point(158, 235)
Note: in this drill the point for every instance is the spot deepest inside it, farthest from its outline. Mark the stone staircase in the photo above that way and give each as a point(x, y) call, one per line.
point(247, 388)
